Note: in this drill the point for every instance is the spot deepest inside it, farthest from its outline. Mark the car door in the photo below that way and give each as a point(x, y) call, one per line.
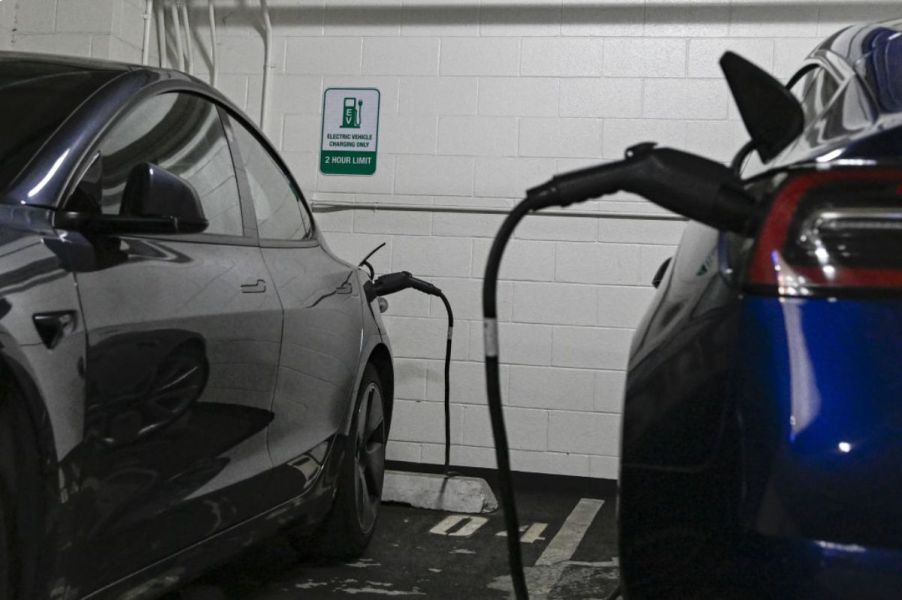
point(321, 299)
point(183, 346)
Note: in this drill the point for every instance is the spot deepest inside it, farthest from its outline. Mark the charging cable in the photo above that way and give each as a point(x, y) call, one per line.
point(693, 186)
point(395, 282)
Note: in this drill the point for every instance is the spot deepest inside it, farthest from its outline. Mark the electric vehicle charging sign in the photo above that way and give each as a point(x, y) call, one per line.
point(350, 134)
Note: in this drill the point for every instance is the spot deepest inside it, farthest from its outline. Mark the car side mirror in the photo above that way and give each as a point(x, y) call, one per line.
point(772, 115)
point(154, 201)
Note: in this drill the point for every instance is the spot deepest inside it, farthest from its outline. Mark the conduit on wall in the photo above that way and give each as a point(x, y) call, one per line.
point(267, 61)
point(213, 67)
point(337, 205)
point(148, 18)
point(189, 49)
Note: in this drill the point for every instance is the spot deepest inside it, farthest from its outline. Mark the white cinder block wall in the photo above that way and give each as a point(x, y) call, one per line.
point(481, 100)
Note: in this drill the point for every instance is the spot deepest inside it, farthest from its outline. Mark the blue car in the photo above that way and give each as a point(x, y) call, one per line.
point(762, 435)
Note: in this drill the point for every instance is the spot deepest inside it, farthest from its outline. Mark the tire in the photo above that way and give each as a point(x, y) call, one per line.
point(8, 477)
point(349, 526)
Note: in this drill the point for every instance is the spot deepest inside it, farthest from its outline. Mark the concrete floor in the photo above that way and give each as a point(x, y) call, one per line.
point(568, 541)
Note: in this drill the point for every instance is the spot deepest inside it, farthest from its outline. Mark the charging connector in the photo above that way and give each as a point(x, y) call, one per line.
point(392, 283)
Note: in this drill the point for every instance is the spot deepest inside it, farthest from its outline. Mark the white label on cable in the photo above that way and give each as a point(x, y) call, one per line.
point(490, 332)
point(450, 332)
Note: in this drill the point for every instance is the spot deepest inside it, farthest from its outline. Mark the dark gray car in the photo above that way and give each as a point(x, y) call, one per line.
point(186, 367)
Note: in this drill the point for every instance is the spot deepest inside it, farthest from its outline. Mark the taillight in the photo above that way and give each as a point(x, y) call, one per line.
point(832, 231)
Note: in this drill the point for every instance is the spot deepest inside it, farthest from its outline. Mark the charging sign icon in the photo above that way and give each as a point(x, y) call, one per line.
point(350, 131)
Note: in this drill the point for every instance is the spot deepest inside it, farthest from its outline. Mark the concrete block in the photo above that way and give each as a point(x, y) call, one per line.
point(511, 177)
point(520, 344)
point(717, 140)
point(437, 492)
point(416, 421)
point(520, 96)
point(445, 96)
point(523, 260)
point(562, 57)
point(69, 44)
point(466, 225)
point(301, 133)
point(85, 16)
point(403, 451)
point(407, 134)
point(480, 56)
point(410, 378)
point(685, 99)
point(35, 16)
point(577, 138)
point(606, 97)
point(435, 175)
point(467, 382)
point(555, 303)
point(571, 229)
point(527, 429)
point(590, 347)
point(584, 433)
point(552, 388)
point(620, 134)
point(326, 56)
point(645, 57)
point(477, 136)
point(432, 256)
point(392, 222)
point(555, 463)
point(465, 296)
point(400, 56)
point(704, 54)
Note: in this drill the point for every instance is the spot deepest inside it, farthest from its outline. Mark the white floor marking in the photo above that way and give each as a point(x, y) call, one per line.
point(564, 544)
point(528, 533)
point(472, 526)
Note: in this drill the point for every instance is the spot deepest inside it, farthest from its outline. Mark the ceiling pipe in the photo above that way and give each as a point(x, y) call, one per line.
point(161, 32)
point(179, 49)
point(213, 67)
point(267, 64)
point(148, 18)
point(189, 46)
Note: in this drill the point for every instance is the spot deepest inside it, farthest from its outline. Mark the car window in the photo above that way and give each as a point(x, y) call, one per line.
point(277, 201)
point(814, 91)
point(183, 134)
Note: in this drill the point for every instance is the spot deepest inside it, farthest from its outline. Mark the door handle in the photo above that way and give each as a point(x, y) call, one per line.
point(253, 286)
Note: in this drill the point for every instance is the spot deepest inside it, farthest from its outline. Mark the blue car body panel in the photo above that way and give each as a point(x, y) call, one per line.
point(762, 435)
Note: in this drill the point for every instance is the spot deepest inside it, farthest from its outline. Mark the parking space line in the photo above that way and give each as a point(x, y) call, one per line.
point(472, 525)
point(564, 544)
point(529, 533)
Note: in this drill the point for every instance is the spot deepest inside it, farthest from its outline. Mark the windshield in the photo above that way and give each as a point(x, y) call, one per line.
point(35, 98)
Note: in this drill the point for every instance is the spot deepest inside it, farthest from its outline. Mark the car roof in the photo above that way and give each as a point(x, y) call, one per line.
point(857, 42)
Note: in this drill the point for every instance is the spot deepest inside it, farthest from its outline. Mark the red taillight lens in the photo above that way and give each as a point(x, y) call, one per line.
point(829, 231)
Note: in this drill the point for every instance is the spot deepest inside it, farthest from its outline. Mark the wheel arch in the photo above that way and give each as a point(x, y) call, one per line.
point(32, 475)
point(380, 358)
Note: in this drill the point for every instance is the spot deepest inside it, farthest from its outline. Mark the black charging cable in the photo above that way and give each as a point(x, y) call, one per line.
point(395, 282)
point(691, 185)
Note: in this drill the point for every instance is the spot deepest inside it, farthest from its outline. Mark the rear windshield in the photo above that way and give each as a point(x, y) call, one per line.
point(35, 98)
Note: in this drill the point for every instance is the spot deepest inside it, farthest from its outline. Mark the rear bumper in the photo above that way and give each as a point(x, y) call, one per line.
point(793, 487)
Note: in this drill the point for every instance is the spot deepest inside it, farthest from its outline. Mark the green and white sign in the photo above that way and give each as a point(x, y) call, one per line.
point(350, 131)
